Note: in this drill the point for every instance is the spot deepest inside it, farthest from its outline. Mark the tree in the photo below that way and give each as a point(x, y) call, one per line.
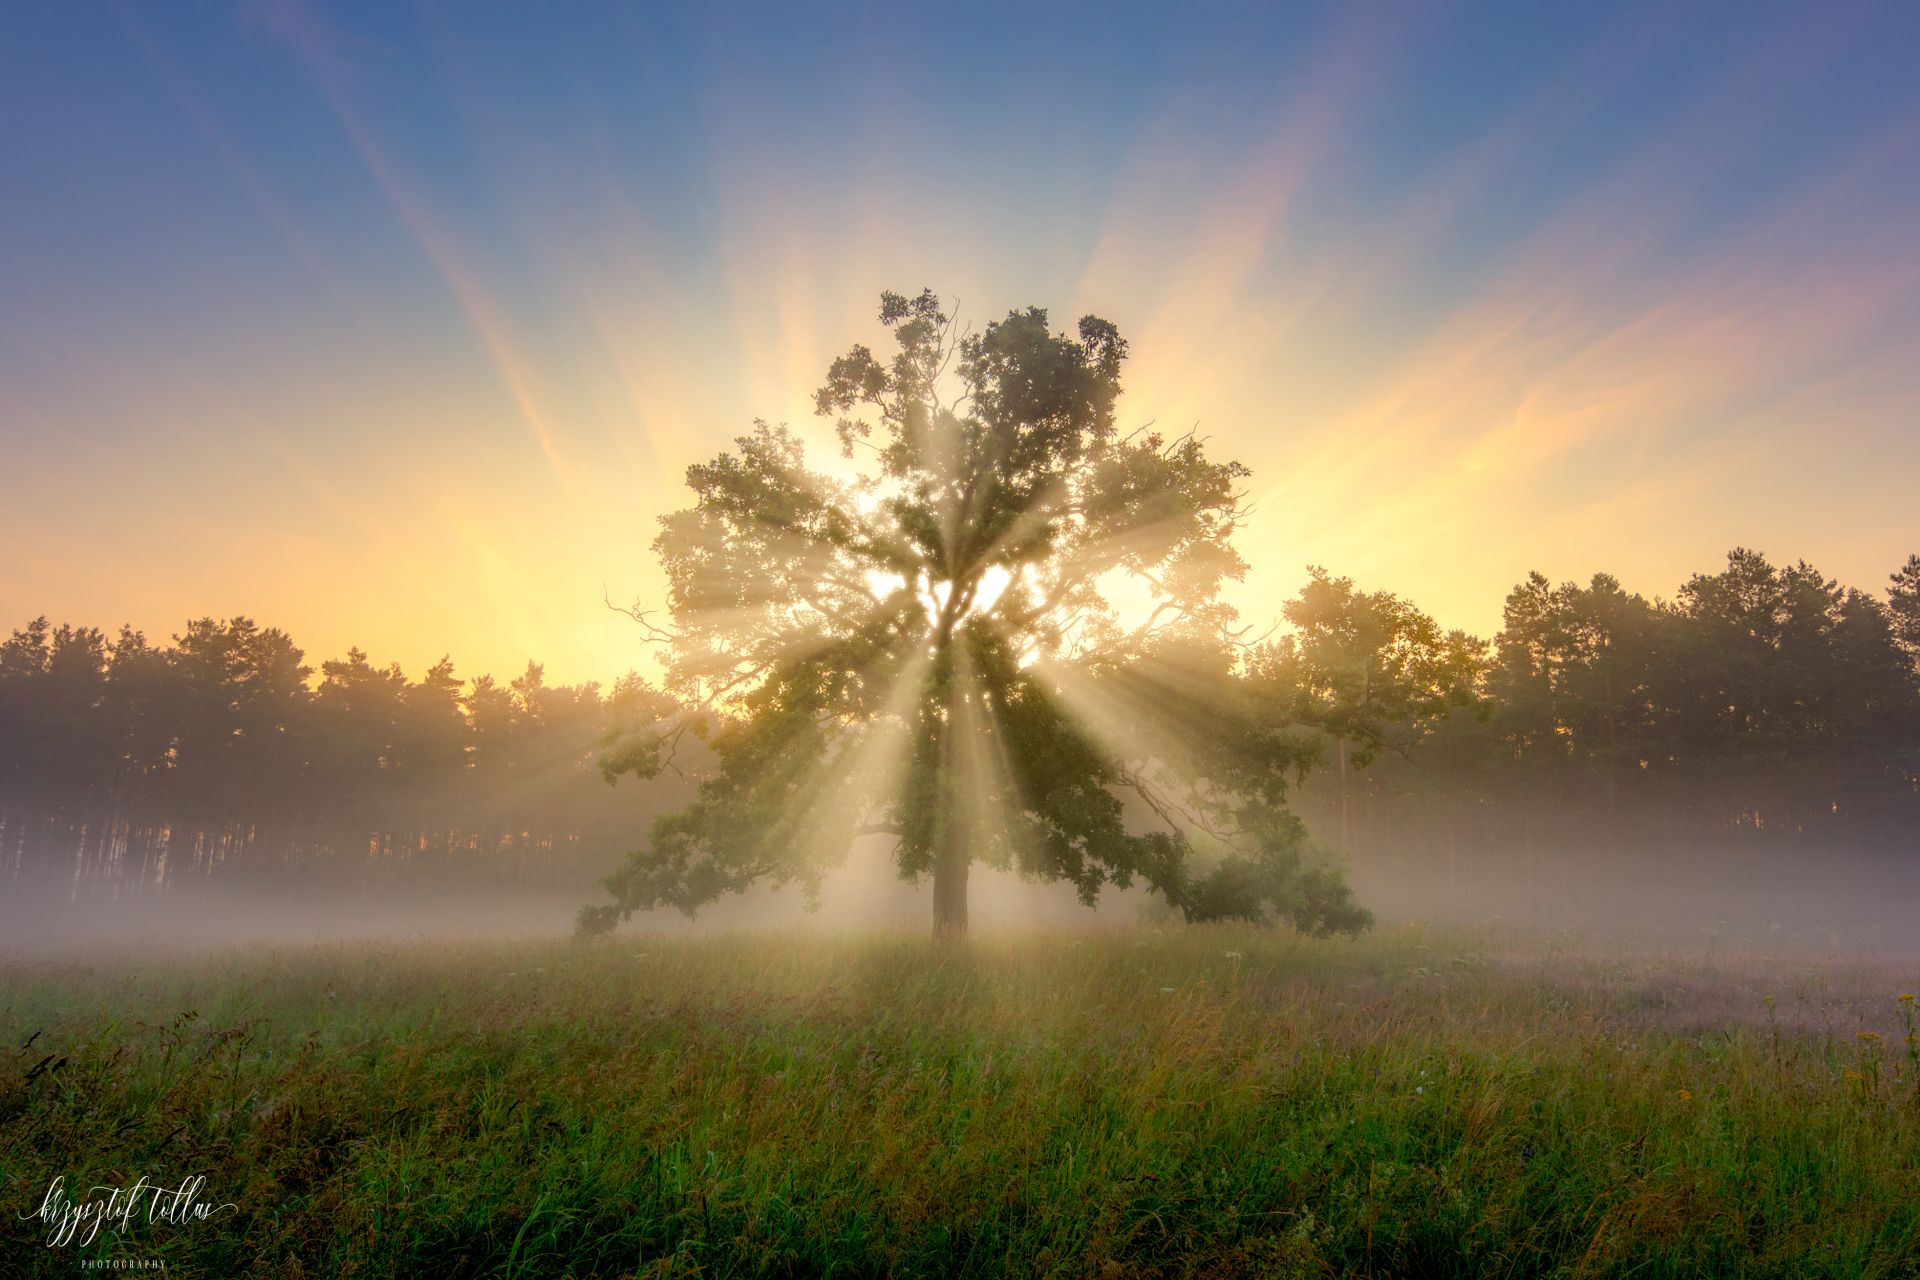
point(125, 765)
point(1371, 671)
point(1903, 599)
point(241, 711)
point(1002, 641)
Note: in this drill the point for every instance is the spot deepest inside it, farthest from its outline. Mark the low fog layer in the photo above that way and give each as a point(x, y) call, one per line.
point(1831, 903)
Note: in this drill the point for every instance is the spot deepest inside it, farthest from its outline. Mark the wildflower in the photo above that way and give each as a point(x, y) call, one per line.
point(1419, 1088)
point(1235, 957)
point(1907, 998)
point(1866, 1036)
point(1686, 1095)
point(1166, 991)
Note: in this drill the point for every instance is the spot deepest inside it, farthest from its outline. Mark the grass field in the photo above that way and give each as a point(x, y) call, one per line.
point(1207, 1102)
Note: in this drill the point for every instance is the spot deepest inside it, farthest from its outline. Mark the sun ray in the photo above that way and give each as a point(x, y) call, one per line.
point(483, 314)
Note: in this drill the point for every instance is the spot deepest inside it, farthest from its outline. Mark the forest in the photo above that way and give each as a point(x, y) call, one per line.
point(1760, 705)
point(125, 764)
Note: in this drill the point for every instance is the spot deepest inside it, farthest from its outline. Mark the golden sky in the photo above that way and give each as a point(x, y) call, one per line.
point(400, 332)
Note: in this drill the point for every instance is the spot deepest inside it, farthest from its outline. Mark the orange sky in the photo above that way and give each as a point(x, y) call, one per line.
point(425, 390)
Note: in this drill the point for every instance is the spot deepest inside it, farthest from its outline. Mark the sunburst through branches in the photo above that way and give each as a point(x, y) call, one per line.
point(1003, 643)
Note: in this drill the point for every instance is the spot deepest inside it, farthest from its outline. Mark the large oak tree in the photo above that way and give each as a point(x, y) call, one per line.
point(999, 640)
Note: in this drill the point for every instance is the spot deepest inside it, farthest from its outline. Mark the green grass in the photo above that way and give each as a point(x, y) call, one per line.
point(1208, 1102)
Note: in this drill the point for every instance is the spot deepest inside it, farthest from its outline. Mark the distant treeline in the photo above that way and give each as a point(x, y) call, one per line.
point(125, 764)
point(1760, 706)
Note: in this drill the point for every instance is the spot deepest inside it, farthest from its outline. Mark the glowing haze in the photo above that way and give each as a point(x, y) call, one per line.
point(397, 325)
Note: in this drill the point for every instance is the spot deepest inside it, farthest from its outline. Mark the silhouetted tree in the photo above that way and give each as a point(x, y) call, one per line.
point(126, 765)
point(1903, 600)
point(1762, 705)
point(1371, 671)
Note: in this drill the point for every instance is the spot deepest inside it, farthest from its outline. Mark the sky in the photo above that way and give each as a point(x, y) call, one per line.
point(396, 325)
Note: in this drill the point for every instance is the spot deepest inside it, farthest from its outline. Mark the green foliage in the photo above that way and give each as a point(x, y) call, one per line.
point(933, 652)
point(1371, 668)
point(1199, 1102)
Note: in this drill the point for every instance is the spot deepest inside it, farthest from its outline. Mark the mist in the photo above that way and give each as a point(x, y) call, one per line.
point(1855, 904)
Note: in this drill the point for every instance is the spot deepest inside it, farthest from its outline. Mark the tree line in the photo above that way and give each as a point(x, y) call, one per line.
point(1760, 705)
point(124, 763)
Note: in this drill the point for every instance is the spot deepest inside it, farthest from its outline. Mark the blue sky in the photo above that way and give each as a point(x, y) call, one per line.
point(396, 324)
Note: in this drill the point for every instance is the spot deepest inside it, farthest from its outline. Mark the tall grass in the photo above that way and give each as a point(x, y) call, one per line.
point(1207, 1102)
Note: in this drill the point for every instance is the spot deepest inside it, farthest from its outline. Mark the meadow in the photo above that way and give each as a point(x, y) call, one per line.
point(1196, 1101)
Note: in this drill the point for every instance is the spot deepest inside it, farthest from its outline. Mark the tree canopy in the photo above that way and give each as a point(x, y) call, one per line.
point(1762, 706)
point(1001, 640)
point(126, 764)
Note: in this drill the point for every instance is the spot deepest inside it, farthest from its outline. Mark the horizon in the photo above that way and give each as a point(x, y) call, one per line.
point(649, 670)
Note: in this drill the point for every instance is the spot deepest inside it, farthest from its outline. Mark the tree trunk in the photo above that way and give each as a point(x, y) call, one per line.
point(953, 850)
point(950, 894)
point(1346, 806)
